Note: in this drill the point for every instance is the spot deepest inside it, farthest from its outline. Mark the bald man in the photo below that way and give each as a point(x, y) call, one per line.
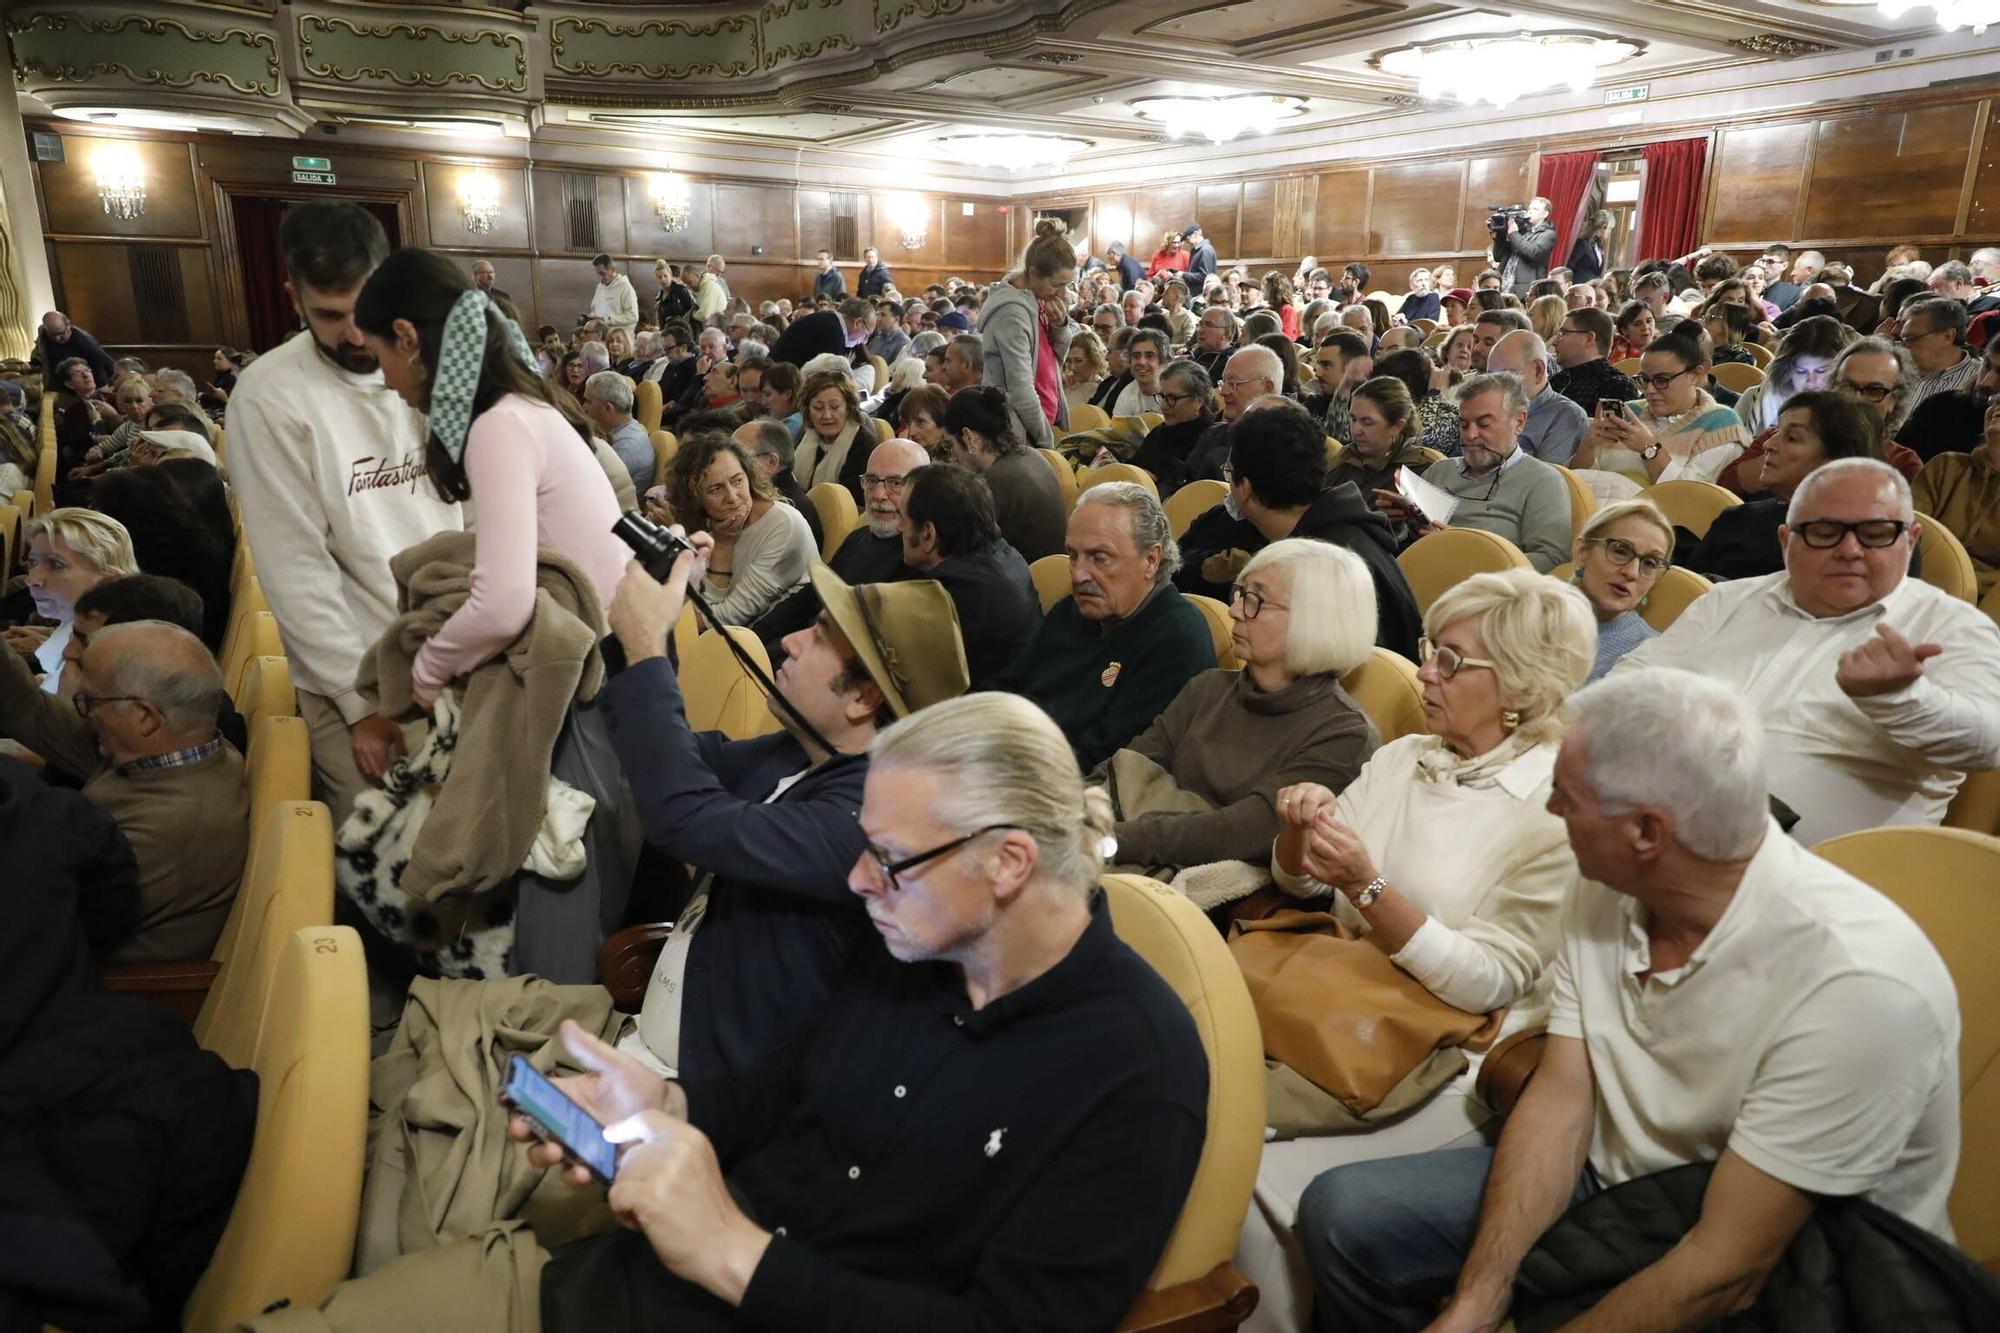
point(1555, 424)
point(1249, 374)
point(141, 739)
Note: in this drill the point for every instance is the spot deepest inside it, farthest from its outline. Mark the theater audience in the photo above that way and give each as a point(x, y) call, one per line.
point(1109, 657)
point(1253, 372)
point(1933, 329)
point(1804, 361)
point(1382, 437)
point(1303, 615)
point(1961, 492)
point(1327, 400)
point(1026, 498)
point(58, 340)
point(950, 534)
point(763, 547)
point(1473, 917)
point(1145, 354)
point(1887, 698)
point(1635, 327)
point(69, 552)
point(141, 740)
point(922, 419)
point(1953, 421)
point(771, 451)
point(1835, 1076)
point(1555, 424)
point(1620, 553)
point(1024, 335)
point(1680, 432)
point(1084, 367)
point(1214, 339)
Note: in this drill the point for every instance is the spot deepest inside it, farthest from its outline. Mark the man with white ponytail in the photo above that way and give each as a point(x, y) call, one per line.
point(1721, 996)
point(1002, 1138)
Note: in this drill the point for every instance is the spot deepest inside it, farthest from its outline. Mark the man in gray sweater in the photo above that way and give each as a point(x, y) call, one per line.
point(1499, 486)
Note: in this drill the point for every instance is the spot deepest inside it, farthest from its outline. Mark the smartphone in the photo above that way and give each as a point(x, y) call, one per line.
point(1610, 407)
point(558, 1119)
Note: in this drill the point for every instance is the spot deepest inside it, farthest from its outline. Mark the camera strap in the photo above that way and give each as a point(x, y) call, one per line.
point(757, 673)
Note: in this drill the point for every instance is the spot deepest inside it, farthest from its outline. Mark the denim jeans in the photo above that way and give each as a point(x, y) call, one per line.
point(1385, 1239)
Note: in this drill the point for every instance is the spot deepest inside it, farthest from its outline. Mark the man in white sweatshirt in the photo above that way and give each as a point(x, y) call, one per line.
point(328, 468)
point(613, 299)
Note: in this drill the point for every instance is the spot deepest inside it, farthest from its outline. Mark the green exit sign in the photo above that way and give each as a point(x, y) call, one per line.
point(311, 164)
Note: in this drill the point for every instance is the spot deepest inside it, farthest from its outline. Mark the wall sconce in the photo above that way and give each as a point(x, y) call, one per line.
point(671, 204)
point(911, 216)
point(121, 183)
point(479, 201)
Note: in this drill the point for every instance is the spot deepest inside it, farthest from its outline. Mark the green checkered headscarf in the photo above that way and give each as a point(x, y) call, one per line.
point(461, 353)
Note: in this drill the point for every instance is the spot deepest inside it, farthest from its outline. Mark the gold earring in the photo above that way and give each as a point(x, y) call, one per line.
point(1510, 719)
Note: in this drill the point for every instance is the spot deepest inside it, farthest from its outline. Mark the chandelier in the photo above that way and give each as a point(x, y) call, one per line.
point(121, 183)
point(910, 215)
point(671, 202)
point(1221, 118)
point(1951, 14)
point(1011, 152)
point(1499, 68)
point(479, 202)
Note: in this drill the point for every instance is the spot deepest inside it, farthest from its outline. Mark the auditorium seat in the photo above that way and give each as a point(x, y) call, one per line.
point(1386, 688)
point(664, 445)
point(838, 515)
point(718, 694)
point(290, 1237)
point(884, 432)
point(1447, 557)
point(1051, 578)
point(1736, 375)
point(255, 634)
point(1669, 597)
point(1976, 805)
point(1065, 476)
point(1088, 417)
point(1216, 614)
point(648, 405)
point(1759, 353)
point(1691, 504)
point(1093, 476)
point(881, 372)
point(1582, 500)
point(1193, 500)
point(1946, 564)
point(265, 690)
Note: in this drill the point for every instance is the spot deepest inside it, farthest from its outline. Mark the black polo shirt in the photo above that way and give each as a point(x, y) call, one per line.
point(928, 1166)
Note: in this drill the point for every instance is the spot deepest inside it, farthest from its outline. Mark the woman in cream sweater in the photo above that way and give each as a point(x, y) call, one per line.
point(763, 546)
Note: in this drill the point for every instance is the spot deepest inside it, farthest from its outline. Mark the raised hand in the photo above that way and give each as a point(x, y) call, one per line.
point(1882, 665)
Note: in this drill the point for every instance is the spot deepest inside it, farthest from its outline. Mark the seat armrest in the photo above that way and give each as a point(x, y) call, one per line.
point(625, 961)
point(1505, 1072)
point(1220, 1299)
point(182, 987)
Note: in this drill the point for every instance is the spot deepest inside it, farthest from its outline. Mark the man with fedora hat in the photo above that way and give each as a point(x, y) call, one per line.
point(769, 824)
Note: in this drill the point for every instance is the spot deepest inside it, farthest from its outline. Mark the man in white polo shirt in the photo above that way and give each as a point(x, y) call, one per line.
point(1879, 691)
point(1720, 995)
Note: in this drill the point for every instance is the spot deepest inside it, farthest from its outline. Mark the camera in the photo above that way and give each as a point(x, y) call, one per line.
point(653, 544)
point(1496, 221)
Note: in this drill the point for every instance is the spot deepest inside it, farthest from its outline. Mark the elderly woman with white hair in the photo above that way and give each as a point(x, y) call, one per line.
point(1443, 852)
point(1303, 615)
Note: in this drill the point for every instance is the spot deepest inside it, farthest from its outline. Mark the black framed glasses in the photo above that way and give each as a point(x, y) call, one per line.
point(1254, 601)
point(1450, 661)
point(85, 702)
point(1660, 381)
point(1174, 399)
point(1823, 534)
point(1623, 553)
point(872, 479)
point(1874, 393)
point(890, 869)
point(1905, 339)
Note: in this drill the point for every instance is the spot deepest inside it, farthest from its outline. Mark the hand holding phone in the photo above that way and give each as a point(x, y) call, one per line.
point(554, 1118)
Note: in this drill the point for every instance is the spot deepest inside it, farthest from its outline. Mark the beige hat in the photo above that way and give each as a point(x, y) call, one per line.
point(906, 635)
point(180, 443)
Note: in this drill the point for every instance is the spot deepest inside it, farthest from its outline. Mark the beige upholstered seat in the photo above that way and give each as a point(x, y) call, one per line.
point(1447, 557)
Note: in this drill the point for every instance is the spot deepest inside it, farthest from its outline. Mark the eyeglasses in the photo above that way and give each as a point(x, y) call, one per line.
point(1823, 534)
point(1450, 661)
point(1174, 399)
point(890, 869)
point(869, 479)
point(1661, 381)
point(1243, 384)
point(1874, 393)
point(1254, 601)
point(1905, 339)
point(1623, 553)
point(85, 702)
point(1569, 328)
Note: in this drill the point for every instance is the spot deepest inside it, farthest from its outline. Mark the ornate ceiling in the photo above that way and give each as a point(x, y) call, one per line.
point(871, 79)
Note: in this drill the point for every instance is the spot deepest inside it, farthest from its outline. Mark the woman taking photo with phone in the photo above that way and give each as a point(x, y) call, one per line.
point(1677, 431)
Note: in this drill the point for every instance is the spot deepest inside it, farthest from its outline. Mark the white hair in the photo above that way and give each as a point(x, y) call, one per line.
point(1150, 526)
point(748, 348)
point(1332, 597)
point(828, 363)
point(610, 388)
point(180, 382)
point(1890, 480)
point(595, 356)
point(907, 373)
point(1262, 362)
point(1682, 743)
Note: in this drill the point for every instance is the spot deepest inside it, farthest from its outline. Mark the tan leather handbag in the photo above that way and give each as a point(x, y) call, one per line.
point(1337, 1012)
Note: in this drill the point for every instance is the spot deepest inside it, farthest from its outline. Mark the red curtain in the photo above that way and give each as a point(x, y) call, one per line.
point(1670, 200)
point(1564, 181)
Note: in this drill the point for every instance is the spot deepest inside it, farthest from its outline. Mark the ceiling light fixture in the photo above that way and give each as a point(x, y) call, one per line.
point(478, 201)
point(1501, 67)
point(1952, 15)
point(1011, 152)
point(121, 182)
point(672, 204)
point(1219, 119)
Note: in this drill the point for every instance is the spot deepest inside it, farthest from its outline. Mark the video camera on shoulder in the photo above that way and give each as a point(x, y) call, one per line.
point(1496, 221)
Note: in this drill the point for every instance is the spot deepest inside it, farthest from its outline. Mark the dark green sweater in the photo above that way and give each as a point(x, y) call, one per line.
point(1068, 669)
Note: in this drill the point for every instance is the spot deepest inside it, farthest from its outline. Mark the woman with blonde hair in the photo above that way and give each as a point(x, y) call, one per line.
point(1621, 552)
point(1473, 915)
point(831, 447)
point(1546, 314)
point(1024, 331)
point(70, 551)
point(1085, 365)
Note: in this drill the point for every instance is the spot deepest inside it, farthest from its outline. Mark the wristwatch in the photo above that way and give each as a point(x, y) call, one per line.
point(1651, 451)
point(1371, 891)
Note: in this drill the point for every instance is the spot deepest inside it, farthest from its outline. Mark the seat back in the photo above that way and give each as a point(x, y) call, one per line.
point(1219, 627)
point(1629, 366)
point(242, 569)
point(881, 372)
point(278, 767)
point(1387, 689)
point(1065, 476)
point(1169, 932)
point(718, 694)
point(1447, 557)
point(1669, 597)
point(45, 472)
point(664, 447)
point(1977, 804)
point(1945, 878)
point(1582, 500)
point(1088, 417)
point(1759, 353)
point(1152, 420)
point(266, 690)
point(883, 431)
point(648, 404)
point(256, 636)
point(1691, 504)
point(1947, 566)
point(1193, 500)
point(291, 1234)
point(1092, 476)
point(838, 515)
point(1736, 375)
point(1051, 578)
point(246, 599)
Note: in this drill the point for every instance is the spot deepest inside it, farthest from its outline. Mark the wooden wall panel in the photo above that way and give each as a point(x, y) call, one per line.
point(1754, 182)
point(1157, 212)
point(515, 275)
point(73, 207)
point(1342, 215)
point(1415, 208)
point(816, 223)
point(444, 185)
point(565, 288)
point(645, 236)
point(1217, 207)
point(975, 239)
point(1503, 178)
point(204, 316)
point(889, 212)
point(1889, 174)
point(1111, 220)
point(1982, 216)
point(1257, 237)
point(751, 215)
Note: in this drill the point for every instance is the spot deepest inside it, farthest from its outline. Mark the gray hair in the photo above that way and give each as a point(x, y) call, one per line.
point(594, 356)
point(1952, 271)
point(1540, 633)
point(828, 363)
point(749, 347)
point(1107, 306)
point(1267, 366)
point(907, 373)
point(998, 759)
point(1189, 375)
point(930, 340)
point(1985, 254)
point(1906, 374)
point(1944, 312)
point(1332, 596)
point(1153, 336)
point(1682, 743)
point(181, 383)
point(1149, 522)
point(1506, 318)
point(1495, 381)
point(610, 388)
point(972, 349)
point(1826, 474)
point(169, 668)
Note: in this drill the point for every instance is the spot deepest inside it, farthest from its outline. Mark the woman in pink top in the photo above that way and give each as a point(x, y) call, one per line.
point(500, 438)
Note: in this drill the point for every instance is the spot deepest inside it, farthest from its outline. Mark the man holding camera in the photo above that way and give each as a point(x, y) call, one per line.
point(1522, 244)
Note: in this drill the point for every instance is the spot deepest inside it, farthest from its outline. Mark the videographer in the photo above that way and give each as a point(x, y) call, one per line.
point(1522, 245)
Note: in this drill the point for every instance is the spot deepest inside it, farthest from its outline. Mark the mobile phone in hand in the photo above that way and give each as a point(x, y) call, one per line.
point(558, 1119)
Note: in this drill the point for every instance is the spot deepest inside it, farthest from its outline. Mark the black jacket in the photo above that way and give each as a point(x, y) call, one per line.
point(829, 284)
point(1854, 1266)
point(1523, 256)
point(78, 343)
point(1586, 260)
point(1742, 543)
point(1782, 293)
point(998, 608)
point(1944, 423)
point(1592, 382)
point(1166, 450)
point(809, 336)
point(1201, 262)
point(1130, 273)
point(874, 280)
point(1210, 452)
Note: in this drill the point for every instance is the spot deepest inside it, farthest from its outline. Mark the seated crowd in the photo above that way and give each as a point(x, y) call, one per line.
point(1098, 567)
